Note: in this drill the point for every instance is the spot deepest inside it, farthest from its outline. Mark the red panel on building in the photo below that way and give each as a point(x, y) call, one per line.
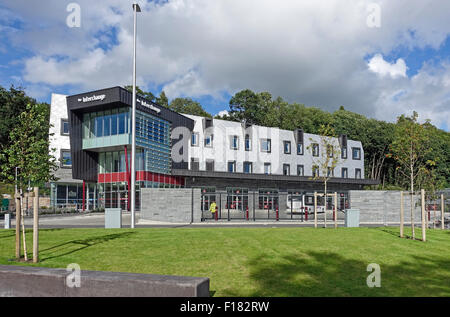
point(141, 176)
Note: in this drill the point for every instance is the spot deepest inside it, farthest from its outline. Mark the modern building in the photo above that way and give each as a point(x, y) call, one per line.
point(91, 133)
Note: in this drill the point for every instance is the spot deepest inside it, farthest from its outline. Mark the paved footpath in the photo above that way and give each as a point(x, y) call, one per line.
point(97, 220)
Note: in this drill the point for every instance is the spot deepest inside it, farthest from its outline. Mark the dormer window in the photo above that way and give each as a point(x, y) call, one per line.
point(300, 149)
point(287, 147)
point(315, 149)
point(356, 153)
point(248, 143)
point(234, 144)
point(194, 139)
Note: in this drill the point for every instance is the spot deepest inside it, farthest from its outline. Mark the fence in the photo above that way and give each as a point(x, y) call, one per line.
point(269, 204)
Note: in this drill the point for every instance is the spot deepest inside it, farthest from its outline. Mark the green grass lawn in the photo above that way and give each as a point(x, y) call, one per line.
point(258, 261)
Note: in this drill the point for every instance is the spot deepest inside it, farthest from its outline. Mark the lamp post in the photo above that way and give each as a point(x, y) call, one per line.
point(136, 9)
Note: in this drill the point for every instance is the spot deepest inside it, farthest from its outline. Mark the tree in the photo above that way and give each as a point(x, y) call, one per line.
point(375, 136)
point(146, 94)
point(246, 106)
point(162, 100)
point(410, 148)
point(28, 151)
point(326, 155)
point(188, 106)
point(12, 103)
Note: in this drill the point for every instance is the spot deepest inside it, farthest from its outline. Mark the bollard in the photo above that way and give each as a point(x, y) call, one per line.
point(246, 215)
point(7, 221)
point(277, 213)
point(306, 214)
point(215, 214)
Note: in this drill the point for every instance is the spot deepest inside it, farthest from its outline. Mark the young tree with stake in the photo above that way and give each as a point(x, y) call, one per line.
point(28, 153)
point(410, 148)
point(326, 155)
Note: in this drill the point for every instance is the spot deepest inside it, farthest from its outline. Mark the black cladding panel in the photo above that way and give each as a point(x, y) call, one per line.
point(208, 123)
point(343, 140)
point(84, 163)
point(298, 135)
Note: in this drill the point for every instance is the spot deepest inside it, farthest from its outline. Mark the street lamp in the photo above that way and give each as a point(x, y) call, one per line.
point(136, 9)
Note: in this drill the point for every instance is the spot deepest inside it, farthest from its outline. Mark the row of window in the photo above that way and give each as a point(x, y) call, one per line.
point(106, 123)
point(248, 169)
point(266, 146)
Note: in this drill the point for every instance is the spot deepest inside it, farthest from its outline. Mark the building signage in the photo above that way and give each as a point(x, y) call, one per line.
point(92, 98)
point(151, 107)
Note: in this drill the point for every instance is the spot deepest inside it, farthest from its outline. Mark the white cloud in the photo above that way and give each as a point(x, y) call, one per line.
point(223, 113)
point(305, 51)
point(378, 65)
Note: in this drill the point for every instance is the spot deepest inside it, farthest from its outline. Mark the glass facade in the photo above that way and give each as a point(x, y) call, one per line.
point(153, 155)
point(153, 135)
point(70, 196)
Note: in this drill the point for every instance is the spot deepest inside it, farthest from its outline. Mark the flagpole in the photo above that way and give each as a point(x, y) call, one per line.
point(136, 9)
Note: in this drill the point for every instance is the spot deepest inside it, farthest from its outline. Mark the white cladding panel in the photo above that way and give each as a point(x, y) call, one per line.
point(58, 111)
point(222, 153)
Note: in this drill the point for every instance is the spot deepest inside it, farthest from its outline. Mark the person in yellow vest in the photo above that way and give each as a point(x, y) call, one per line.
point(212, 208)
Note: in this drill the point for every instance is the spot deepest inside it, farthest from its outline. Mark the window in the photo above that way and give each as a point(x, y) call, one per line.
point(267, 168)
point(108, 162)
point(116, 162)
point(210, 165)
point(64, 127)
point(344, 173)
point(114, 122)
point(248, 167)
point(286, 169)
point(232, 166)
point(358, 173)
point(300, 170)
point(194, 139)
point(344, 153)
point(299, 148)
point(107, 123)
point(315, 171)
point(101, 163)
point(330, 172)
point(234, 142)
point(122, 125)
point(248, 143)
point(315, 149)
point(209, 141)
point(266, 145)
point(66, 158)
point(356, 153)
point(194, 164)
point(99, 125)
point(287, 147)
point(330, 150)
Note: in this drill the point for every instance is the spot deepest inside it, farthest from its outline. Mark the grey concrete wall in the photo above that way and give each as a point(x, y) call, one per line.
point(171, 204)
point(383, 207)
point(20, 281)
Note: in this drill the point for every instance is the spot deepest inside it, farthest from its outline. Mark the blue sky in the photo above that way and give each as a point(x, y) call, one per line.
point(309, 53)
